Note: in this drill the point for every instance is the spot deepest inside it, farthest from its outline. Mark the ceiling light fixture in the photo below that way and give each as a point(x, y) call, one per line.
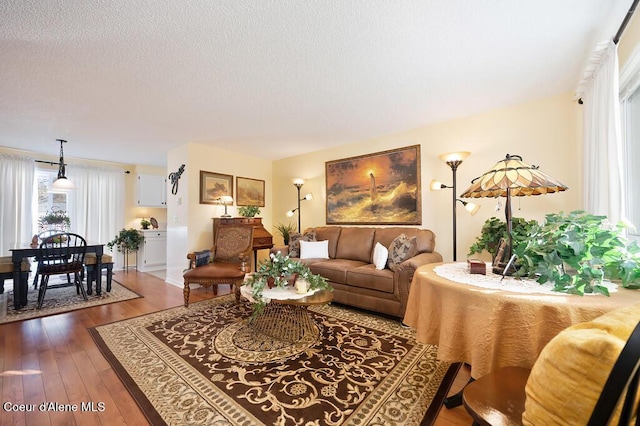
point(62, 183)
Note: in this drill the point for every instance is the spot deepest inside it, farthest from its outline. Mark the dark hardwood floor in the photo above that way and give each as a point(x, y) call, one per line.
point(55, 360)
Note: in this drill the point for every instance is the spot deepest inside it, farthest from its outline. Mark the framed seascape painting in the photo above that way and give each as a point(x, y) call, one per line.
point(375, 189)
point(214, 186)
point(249, 192)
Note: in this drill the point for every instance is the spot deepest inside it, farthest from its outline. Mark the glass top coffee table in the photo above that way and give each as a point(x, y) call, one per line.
point(288, 319)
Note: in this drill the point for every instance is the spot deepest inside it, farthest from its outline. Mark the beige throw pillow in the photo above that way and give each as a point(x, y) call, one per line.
point(401, 249)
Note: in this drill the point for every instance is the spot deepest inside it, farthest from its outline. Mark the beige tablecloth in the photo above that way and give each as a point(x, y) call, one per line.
point(489, 328)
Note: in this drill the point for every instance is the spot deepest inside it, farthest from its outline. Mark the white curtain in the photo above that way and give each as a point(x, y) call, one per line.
point(97, 203)
point(16, 200)
point(603, 167)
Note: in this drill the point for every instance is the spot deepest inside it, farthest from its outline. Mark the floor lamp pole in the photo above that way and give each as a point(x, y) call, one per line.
point(454, 167)
point(298, 185)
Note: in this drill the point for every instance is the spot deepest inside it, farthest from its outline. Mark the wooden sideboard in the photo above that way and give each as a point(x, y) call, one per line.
point(262, 239)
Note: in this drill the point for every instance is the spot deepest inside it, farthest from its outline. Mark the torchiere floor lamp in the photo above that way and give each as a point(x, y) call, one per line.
point(453, 160)
point(298, 184)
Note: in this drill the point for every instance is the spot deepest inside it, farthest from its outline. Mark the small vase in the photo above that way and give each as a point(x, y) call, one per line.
point(302, 286)
point(271, 282)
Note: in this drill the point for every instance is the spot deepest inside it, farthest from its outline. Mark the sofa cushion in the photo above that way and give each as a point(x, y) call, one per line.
point(314, 249)
point(294, 241)
point(401, 249)
point(331, 234)
point(356, 244)
point(368, 276)
point(335, 269)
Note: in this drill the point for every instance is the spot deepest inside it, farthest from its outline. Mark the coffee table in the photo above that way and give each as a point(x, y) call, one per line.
point(288, 319)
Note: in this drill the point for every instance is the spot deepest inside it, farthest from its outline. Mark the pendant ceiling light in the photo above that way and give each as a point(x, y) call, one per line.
point(62, 182)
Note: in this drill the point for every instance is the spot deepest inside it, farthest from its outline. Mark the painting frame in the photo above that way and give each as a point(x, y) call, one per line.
point(249, 191)
point(381, 188)
point(213, 186)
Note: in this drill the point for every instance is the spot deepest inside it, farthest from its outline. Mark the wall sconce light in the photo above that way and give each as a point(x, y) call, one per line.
point(297, 182)
point(225, 200)
point(62, 183)
point(453, 160)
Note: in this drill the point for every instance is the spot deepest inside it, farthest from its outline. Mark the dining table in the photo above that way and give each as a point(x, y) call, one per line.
point(489, 321)
point(20, 251)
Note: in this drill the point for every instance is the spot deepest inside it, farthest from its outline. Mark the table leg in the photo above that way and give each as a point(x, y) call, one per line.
point(455, 400)
point(19, 287)
point(98, 271)
point(289, 323)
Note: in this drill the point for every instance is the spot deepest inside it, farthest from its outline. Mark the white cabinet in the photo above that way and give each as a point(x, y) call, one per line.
point(152, 255)
point(152, 191)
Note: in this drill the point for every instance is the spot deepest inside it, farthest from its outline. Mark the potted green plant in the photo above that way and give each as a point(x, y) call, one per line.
point(127, 241)
point(54, 219)
point(278, 271)
point(495, 230)
point(576, 251)
point(248, 211)
point(145, 224)
point(285, 231)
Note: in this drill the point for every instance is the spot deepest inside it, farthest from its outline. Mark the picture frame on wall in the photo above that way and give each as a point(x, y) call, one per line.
point(382, 188)
point(213, 186)
point(249, 192)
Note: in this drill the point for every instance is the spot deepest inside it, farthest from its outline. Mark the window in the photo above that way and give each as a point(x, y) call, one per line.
point(45, 199)
point(630, 117)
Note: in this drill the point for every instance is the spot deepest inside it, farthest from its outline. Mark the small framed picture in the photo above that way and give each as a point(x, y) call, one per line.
point(213, 186)
point(249, 192)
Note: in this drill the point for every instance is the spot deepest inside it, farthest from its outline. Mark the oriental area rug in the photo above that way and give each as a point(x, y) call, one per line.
point(62, 299)
point(206, 365)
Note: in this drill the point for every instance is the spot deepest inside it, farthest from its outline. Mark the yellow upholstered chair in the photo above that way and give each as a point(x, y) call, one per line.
point(90, 261)
point(223, 264)
point(576, 380)
point(6, 273)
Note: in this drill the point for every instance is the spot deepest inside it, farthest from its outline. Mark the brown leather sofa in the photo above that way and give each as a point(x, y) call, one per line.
point(351, 272)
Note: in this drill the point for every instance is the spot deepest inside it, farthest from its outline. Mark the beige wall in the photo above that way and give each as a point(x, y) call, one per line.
point(629, 40)
point(189, 224)
point(545, 132)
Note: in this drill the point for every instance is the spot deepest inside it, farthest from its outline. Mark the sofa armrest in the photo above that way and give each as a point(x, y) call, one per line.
point(404, 274)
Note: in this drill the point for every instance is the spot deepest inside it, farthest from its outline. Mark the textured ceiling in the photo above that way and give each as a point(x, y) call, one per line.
point(126, 80)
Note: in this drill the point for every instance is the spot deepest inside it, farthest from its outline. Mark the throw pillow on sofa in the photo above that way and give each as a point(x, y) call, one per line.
point(380, 256)
point(294, 241)
point(314, 249)
point(401, 249)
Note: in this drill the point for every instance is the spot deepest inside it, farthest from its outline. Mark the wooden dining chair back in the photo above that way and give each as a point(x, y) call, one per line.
point(61, 254)
point(40, 238)
point(588, 374)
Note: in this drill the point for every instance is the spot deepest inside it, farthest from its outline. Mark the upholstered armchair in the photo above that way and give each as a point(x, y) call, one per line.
point(224, 263)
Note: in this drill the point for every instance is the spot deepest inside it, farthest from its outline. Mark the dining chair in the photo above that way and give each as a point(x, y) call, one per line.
point(90, 261)
point(41, 237)
point(588, 374)
point(6, 272)
point(61, 254)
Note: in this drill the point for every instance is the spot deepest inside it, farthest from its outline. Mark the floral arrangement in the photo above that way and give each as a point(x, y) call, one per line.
point(54, 217)
point(279, 271)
